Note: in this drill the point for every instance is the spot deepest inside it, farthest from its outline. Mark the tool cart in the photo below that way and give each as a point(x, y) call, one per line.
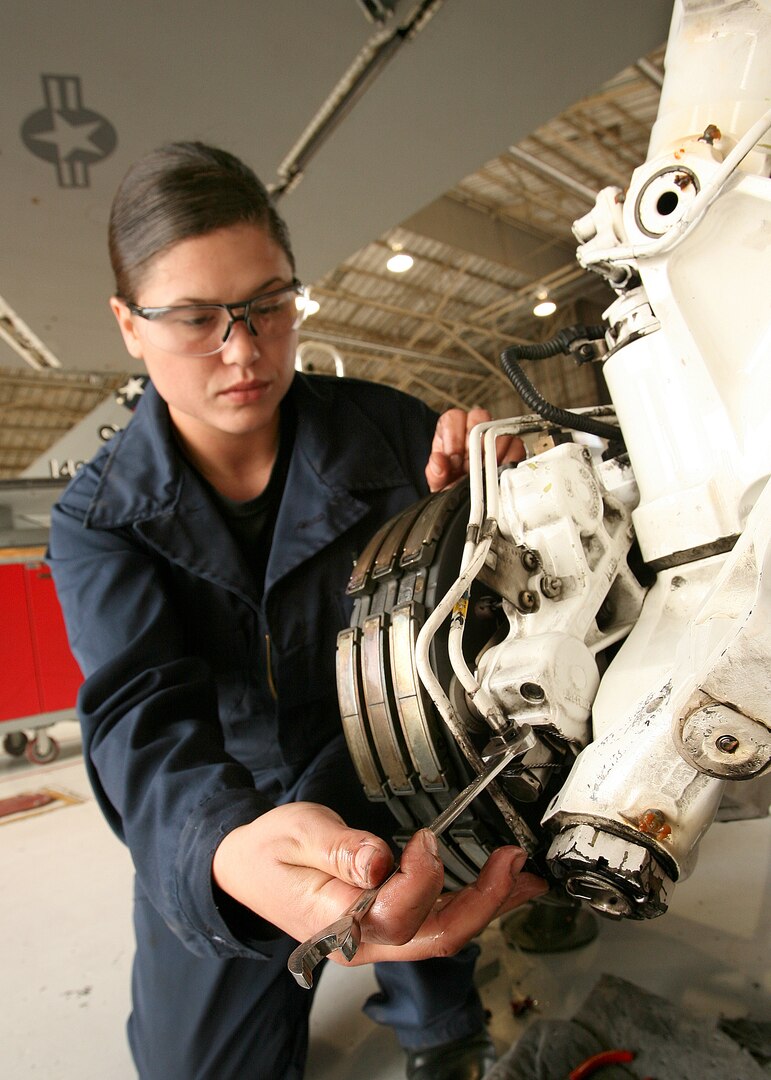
point(40, 678)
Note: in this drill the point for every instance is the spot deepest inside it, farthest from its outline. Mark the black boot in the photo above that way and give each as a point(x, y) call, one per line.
point(464, 1059)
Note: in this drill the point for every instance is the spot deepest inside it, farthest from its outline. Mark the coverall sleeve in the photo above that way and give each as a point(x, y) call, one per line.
point(152, 741)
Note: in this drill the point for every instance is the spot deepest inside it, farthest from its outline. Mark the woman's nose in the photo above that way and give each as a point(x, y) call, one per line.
point(241, 346)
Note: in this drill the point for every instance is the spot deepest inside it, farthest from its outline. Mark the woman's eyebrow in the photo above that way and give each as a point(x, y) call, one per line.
point(267, 286)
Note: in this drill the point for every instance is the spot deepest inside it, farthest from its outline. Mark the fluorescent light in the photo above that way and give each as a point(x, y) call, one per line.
point(544, 308)
point(306, 305)
point(399, 262)
point(543, 305)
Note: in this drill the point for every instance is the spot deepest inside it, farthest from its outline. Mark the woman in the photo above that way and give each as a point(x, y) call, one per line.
point(200, 560)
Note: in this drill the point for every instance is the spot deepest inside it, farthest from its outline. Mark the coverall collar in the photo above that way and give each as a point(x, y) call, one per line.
point(146, 484)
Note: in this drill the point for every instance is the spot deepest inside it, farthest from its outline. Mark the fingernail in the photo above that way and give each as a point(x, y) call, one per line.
point(430, 843)
point(518, 860)
point(363, 859)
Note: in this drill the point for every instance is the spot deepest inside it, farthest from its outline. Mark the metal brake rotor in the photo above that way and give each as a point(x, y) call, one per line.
point(399, 745)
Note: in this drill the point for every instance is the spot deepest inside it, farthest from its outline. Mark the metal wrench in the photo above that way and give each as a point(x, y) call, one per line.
point(345, 933)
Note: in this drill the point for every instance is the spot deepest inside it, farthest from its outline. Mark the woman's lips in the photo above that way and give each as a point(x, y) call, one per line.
point(245, 391)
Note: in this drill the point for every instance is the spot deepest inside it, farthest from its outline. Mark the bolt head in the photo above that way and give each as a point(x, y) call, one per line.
point(727, 744)
point(530, 560)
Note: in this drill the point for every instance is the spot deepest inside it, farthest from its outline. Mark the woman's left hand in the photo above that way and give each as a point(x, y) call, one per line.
point(448, 460)
point(410, 921)
point(300, 867)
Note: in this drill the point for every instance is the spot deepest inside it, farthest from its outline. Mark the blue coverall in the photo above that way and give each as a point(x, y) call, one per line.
point(205, 703)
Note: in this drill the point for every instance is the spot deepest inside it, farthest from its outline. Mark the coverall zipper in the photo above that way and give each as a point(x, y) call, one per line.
point(269, 669)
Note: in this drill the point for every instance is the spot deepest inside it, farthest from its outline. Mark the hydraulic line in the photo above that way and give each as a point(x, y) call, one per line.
point(560, 343)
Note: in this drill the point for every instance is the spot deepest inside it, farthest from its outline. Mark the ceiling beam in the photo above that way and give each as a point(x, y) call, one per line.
point(486, 235)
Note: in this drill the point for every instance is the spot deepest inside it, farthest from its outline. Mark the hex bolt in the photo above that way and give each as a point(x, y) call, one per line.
point(711, 134)
point(653, 822)
point(551, 586)
point(727, 744)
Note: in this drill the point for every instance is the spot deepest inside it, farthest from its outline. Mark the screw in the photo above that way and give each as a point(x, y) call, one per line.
point(727, 744)
point(486, 607)
point(529, 560)
point(528, 601)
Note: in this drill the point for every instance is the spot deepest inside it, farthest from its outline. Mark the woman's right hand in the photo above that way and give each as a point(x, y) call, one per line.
point(299, 867)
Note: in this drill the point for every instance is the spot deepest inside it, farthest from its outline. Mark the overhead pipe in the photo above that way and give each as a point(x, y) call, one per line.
point(374, 346)
point(370, 61)
point(542, 167)
point(15, 332)
point(650, 71)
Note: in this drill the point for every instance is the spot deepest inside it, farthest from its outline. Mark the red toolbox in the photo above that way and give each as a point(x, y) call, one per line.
point(40, 678)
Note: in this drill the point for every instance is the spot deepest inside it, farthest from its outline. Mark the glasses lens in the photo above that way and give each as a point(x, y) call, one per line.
point(201, 330)
point(196, 331)
point(278, 314)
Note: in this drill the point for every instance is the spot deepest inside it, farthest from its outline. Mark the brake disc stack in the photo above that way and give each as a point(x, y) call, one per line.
point(399, 745)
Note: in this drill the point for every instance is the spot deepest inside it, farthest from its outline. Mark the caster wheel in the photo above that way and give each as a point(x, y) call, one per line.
point(43, 750)
point(15, 744)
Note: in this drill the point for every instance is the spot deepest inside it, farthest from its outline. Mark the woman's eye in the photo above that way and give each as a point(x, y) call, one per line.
point(196, 320)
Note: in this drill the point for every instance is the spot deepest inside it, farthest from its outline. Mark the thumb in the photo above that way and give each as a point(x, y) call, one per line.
point(438, 471)
point(372, 862)
point(310, 836)
point(358, 858)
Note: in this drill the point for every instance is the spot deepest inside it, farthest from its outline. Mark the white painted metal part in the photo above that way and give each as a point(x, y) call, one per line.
point(684, 703)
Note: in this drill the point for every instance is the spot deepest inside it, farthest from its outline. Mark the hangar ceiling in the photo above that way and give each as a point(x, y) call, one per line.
point(469, 133)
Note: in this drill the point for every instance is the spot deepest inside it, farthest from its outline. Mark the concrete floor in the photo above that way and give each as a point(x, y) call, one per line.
point(67, 945)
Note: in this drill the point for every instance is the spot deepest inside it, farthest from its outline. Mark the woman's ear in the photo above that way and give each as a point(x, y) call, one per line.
point(127, 328)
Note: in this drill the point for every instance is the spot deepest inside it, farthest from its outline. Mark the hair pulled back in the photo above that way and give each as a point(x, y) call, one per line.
point(180, 190)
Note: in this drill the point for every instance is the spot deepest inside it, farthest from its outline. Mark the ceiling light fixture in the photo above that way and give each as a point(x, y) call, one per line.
point(543, 306)
point(308, 306)
point(400, 261)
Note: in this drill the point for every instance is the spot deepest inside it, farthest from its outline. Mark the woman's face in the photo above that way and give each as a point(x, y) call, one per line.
point(238, 390)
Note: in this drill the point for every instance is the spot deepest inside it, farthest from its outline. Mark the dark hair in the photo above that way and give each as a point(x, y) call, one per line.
point(180, 190)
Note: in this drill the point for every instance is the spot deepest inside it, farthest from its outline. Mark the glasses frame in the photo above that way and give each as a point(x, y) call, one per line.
point(151, 313)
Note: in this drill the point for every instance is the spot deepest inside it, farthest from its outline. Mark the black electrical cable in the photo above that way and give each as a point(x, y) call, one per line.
point(560, 343)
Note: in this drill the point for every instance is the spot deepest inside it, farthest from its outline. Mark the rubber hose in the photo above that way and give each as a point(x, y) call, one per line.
point(560, 343)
